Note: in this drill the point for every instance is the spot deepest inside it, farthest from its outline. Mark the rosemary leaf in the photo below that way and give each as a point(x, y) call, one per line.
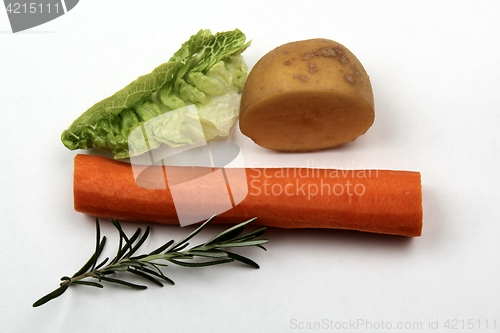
point(202, 263)
point(102, 263)
point(122, 282)
point(244, 243)
point(139, 243)
point(97, 243)
point(90, 262)
point(242, 259)
point(146, 276)
point(120, 242)
point(56, 293)
point(177, 245)
point(158, 274)
point(208, 254)
point(263, 248)
point(250, 235)
point(89, 283)
point(229, 233)
point(128, 243)
point(162, 248)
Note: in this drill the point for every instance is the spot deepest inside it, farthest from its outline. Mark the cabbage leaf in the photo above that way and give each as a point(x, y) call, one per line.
point(207, 72)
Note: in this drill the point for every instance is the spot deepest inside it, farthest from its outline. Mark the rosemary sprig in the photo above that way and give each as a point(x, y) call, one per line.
point(146, 266)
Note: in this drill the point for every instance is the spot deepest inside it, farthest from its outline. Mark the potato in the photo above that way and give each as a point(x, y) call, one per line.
point(306, 95)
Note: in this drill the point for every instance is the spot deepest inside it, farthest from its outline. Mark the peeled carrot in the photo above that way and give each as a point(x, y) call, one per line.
point(379, 201)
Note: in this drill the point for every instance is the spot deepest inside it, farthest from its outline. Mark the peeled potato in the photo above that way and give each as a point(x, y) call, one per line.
point(306, 95)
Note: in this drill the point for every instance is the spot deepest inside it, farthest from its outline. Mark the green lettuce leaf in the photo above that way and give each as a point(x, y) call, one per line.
point(207, 73)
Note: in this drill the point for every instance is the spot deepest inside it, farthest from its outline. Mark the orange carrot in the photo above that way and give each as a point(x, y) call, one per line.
point(379, 201)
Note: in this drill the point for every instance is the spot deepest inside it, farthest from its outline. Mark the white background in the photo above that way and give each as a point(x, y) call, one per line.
point(435, 71)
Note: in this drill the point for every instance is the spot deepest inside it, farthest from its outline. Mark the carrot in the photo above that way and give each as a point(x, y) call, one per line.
point(379, 201)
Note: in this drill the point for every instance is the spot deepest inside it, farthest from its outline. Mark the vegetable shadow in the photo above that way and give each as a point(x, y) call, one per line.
point(339, 238)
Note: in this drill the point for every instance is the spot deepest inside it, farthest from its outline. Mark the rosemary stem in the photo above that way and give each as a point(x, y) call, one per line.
point(81, 277)
point(212, 252)
point(159, 256)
